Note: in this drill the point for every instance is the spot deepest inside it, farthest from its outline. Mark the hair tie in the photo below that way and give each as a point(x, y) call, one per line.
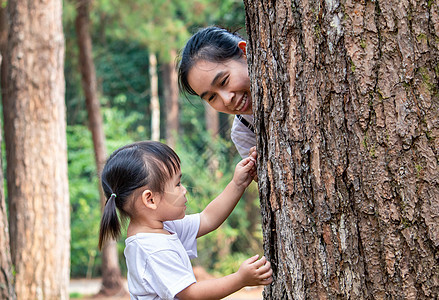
point(113, 195)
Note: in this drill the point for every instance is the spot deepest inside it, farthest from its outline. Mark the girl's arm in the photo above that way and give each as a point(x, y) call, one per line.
point(252, 272)
point(217, 211)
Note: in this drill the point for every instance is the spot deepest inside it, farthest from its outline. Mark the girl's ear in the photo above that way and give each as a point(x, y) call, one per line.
point(242, 45)
point(149, 200)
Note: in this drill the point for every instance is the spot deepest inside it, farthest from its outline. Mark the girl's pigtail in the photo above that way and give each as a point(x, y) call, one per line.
point(110, 225)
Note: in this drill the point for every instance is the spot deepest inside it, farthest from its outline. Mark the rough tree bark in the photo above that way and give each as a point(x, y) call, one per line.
point(347, 114)
point(111, 275)
point(36, 150)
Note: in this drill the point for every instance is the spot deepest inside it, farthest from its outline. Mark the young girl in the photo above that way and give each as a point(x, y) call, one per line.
point(142, 180)
point(213, 65)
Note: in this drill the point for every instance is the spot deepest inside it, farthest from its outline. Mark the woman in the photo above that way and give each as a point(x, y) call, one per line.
point(213, 66)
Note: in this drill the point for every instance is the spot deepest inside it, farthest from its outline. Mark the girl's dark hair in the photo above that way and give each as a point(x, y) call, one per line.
point(213, 44)
point(142, 164)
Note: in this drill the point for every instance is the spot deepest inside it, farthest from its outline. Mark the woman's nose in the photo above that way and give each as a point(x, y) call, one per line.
point(227, 97)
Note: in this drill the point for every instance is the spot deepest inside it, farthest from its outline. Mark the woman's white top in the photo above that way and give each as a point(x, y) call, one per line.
point(242, 136)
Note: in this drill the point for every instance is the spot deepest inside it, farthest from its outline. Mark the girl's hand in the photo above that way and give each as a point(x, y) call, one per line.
point(252, 272)
point(244, 172)
point(255, 272)
point(254, 154)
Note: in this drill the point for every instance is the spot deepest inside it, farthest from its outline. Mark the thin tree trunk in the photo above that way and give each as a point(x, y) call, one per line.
point(211, 117)
point(170, 80)
point(155, 104)
point(36, 150)
point(111, 274)
point(346, 106)
point(6, 278)
point(212, 121)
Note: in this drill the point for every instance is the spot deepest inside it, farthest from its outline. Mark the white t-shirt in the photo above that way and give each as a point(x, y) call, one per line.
point(242, 136)
point(158, 264)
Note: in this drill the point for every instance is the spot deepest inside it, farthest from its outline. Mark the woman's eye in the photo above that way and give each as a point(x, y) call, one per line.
point(211, 97)
point(179, 184)
point(224, 81)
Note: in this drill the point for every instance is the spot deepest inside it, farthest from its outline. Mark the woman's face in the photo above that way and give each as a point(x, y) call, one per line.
point(225, 86)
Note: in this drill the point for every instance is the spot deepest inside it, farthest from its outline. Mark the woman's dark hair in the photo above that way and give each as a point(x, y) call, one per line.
point(142, 164)
point(212, 44)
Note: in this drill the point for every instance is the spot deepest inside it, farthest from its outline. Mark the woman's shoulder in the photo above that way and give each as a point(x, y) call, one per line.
point(243, 123)
point(242, 136)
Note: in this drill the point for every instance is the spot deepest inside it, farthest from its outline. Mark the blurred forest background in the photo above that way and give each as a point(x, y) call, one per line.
point(124, 36)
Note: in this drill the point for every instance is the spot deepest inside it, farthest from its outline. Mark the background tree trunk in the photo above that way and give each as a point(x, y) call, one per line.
point(155, 104)
point(6, 278)
point(36, 150)
point(211, 117)
point(111, 274)
point(347, 115)
point(170, 82)
point(212, 120)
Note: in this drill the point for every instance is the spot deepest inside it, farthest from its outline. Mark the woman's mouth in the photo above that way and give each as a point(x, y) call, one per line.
point(243, 102)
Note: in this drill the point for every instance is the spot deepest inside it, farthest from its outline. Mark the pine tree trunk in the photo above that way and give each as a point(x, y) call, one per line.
point(36, 150)
point(170, 81)
point(111, 274)
point(155, 104)
point(6, 278)
point(346, 108)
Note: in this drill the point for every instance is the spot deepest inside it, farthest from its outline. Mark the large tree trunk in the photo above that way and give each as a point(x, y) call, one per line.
point(347, 114)
point(155, 104)
point(111, 274)
point(36, 150)
point(6, 278)
point(170, 80)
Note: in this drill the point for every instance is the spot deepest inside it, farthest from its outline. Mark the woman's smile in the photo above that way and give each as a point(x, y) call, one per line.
point(242, 104)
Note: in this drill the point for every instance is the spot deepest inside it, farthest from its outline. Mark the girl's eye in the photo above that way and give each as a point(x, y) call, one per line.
point(211, 97)
point(179, 184)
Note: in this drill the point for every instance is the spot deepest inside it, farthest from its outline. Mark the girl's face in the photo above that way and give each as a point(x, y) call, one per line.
point(173, 200)
point(224, 86)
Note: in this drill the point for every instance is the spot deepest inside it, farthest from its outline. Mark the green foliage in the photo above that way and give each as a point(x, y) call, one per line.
point(84, 198)
point(75, 296)
point(121, 70)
